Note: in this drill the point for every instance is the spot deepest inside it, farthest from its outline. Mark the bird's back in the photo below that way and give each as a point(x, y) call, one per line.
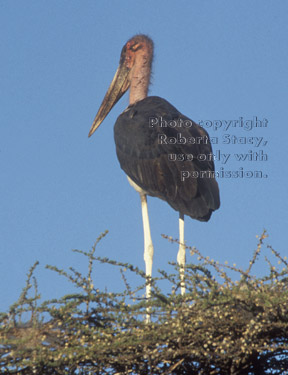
point(163, 160)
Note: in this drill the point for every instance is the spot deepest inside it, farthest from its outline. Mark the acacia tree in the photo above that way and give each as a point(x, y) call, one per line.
point(223, 324)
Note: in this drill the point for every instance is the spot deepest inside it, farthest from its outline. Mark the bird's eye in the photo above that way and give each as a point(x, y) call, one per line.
point(135, 47)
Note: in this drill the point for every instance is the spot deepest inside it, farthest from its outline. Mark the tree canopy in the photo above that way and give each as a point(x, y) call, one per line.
point(228, 322)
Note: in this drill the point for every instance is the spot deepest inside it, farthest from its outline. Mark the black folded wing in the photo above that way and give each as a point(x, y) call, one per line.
point(172, 162)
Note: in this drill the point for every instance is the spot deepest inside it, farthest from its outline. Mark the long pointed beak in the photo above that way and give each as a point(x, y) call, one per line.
point(117, 88)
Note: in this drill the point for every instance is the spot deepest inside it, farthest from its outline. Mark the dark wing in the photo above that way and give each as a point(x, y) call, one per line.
point(174, 172)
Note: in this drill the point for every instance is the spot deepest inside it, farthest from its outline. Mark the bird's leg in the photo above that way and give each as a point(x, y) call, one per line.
point(181, 258)
point(148, 245)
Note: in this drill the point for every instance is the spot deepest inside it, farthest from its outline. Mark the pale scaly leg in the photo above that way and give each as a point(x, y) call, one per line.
point(181, 258)
point(148, 245)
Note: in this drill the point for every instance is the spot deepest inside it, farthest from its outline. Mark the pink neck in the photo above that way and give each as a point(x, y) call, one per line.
point(140, 78)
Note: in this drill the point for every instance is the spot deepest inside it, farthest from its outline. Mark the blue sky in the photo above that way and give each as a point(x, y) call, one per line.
point(214, 61)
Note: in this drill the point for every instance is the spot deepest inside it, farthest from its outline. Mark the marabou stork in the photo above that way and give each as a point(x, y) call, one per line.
point(159, 149)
